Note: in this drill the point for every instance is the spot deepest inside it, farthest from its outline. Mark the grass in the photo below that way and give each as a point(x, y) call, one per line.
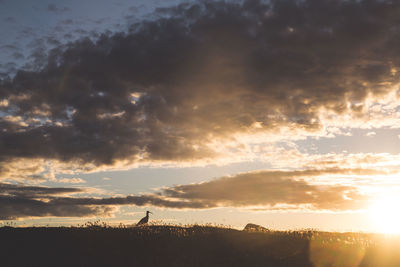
point(97, 244)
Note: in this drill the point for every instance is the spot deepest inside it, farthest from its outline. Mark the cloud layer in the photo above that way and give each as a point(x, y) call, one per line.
point(268, 190)
point(169, 89)
point(271, 188)
point(17, 201)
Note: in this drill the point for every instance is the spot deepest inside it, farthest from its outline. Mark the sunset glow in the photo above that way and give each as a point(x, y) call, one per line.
point(280, 113)
point(385, 214)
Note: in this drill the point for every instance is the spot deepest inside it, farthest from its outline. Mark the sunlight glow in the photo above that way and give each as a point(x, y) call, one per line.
point(385, 214)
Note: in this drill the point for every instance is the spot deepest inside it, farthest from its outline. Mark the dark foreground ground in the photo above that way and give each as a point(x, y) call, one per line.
point(190, 246)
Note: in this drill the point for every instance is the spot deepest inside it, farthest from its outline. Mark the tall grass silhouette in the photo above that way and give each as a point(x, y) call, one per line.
point(98, 244)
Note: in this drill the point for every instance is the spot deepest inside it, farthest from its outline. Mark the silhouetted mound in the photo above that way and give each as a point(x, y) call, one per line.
point(251, 227)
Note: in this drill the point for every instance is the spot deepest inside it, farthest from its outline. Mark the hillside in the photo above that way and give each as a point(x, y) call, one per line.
point(97, 245)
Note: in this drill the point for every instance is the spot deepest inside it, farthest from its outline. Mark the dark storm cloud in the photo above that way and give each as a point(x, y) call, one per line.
point(67, 21)
point(68, 36)
point(12, 208)
point(34, 191)
point(11, 47)
point(4, 75)
point(269, 189)
point(204, 71)
point(17, 55)
point(56, 9)
point(26, 32)
point(10, 19)
point(52, 41)
point(18, 201)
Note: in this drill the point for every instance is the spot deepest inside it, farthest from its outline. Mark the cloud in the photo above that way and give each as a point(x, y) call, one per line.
point(269, 190)
point(286, 62)
point(54, 8)
point(34, 191)
point(272, 188)
point(15, 207)
point(75, 180)
point(9, 19)
point(17, 201)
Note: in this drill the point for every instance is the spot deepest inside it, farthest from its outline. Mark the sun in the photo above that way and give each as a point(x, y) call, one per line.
point(385, 214)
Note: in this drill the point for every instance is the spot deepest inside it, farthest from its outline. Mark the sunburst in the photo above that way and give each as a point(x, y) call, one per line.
point(385, 214)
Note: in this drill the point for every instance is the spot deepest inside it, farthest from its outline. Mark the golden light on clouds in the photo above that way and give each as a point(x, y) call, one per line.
point(300, 112)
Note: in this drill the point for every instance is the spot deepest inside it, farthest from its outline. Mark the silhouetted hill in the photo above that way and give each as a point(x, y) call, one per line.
point(187, 246)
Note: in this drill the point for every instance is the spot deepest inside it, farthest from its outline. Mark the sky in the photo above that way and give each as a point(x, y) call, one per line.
point(281, 113)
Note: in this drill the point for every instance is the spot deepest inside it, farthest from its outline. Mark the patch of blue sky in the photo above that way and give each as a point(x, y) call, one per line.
point(146, 179)
point(382, 140)
point(29, 25)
